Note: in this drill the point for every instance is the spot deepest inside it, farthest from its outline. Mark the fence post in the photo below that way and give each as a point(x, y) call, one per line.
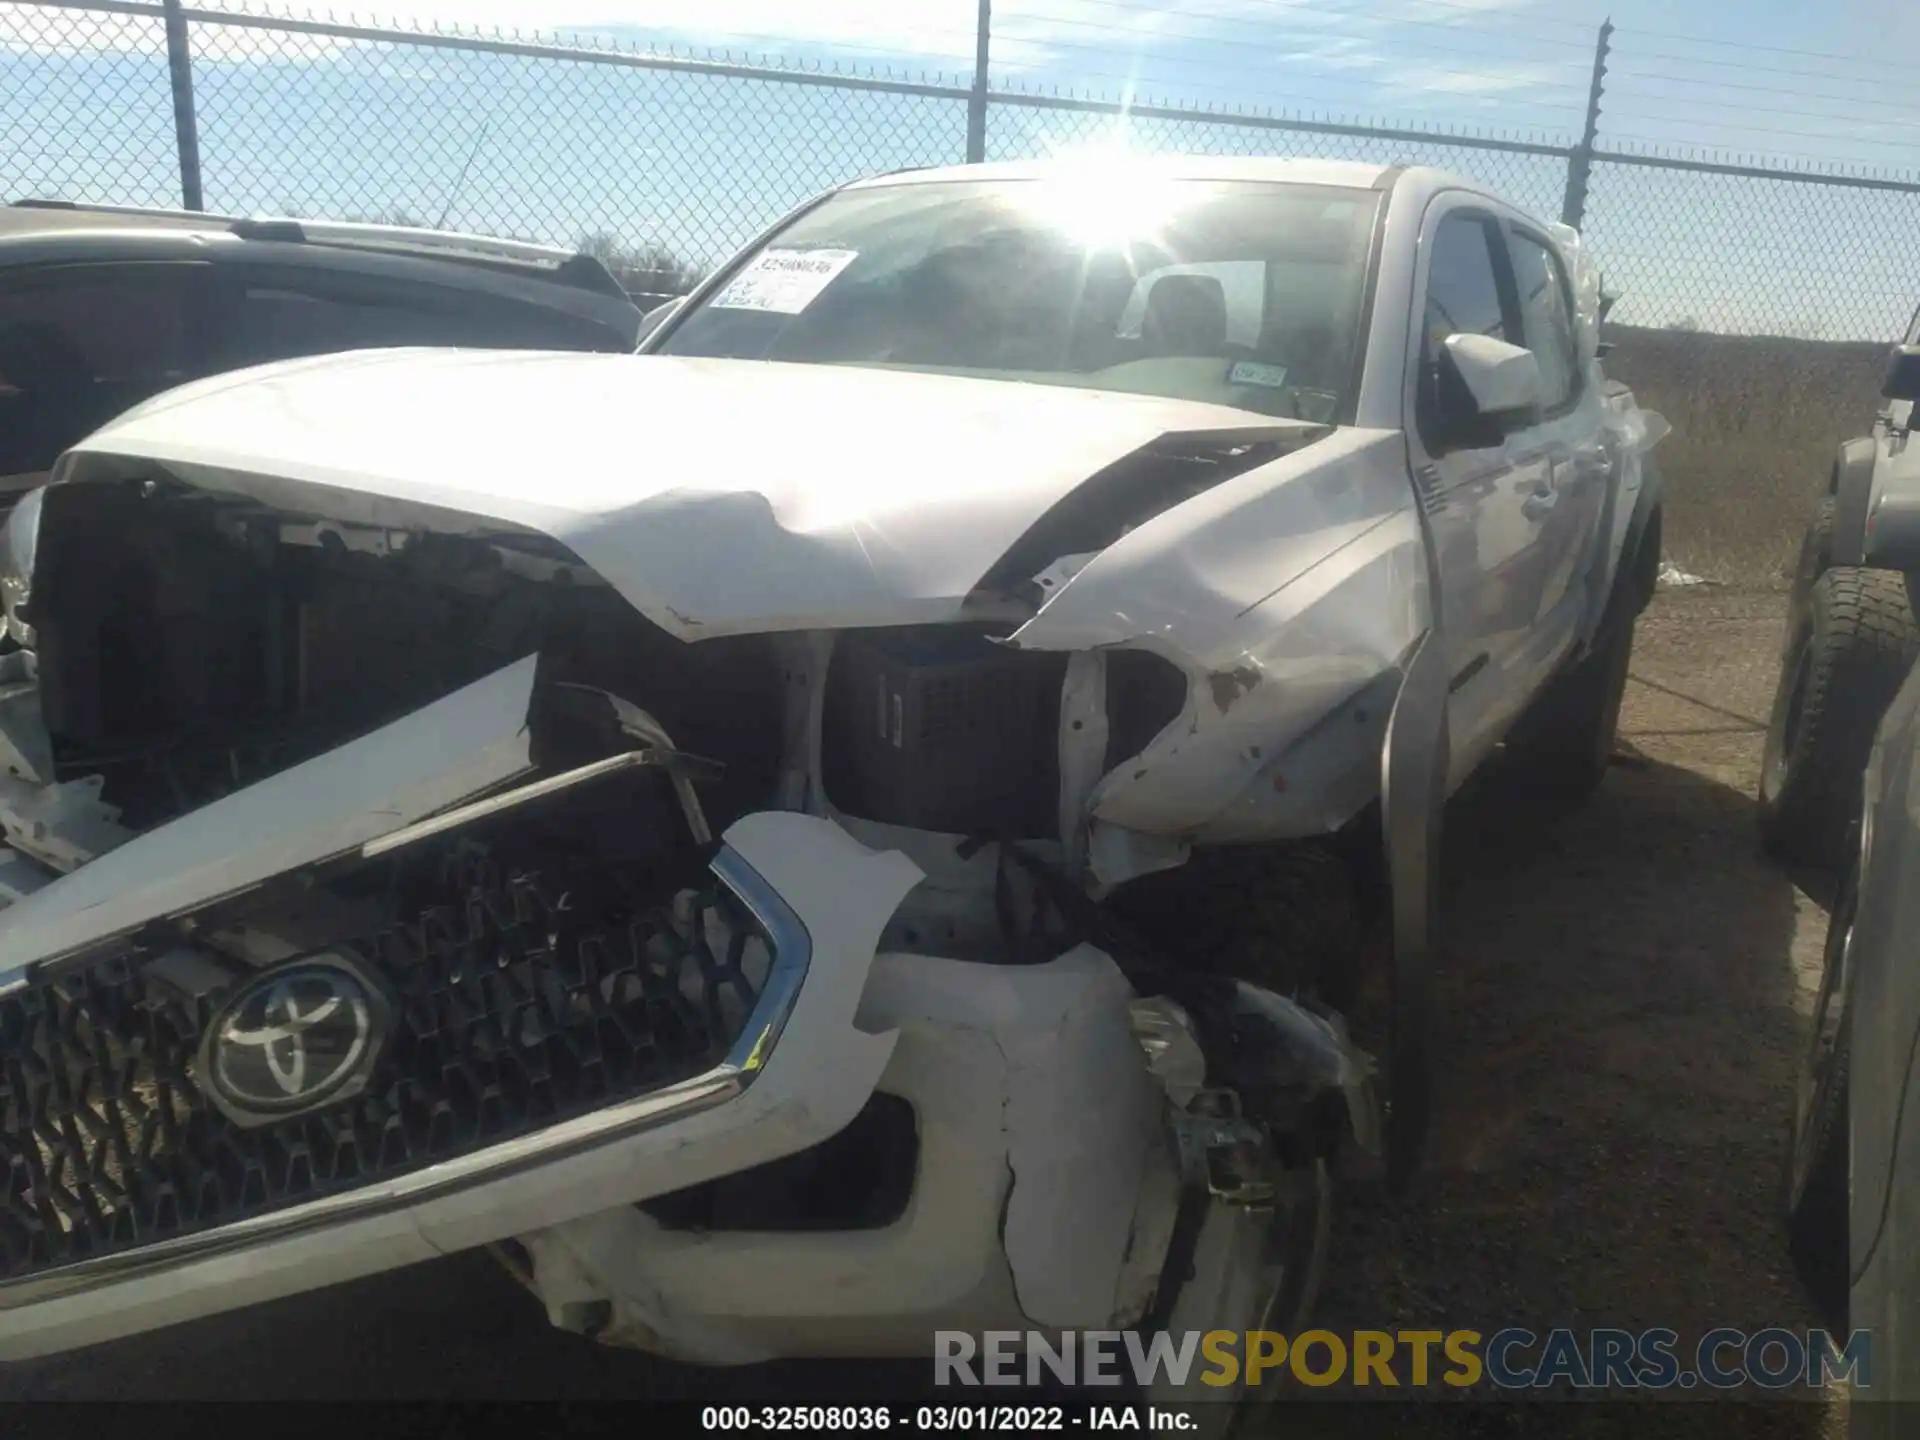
point(1574, 209)
point(185, 127)
point(977, 101)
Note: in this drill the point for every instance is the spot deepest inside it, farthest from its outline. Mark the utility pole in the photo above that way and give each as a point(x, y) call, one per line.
point(1580, 162)
point(977, 101)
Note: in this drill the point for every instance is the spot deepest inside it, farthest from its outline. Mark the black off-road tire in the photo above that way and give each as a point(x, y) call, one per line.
point(1561, 746)
point(1284, 916)
point(1564, 741)
point(1815, 1192)
point(1846, 657)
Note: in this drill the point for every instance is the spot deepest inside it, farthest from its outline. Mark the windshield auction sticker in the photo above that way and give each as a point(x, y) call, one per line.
point(1252, 372)
point(783, 282)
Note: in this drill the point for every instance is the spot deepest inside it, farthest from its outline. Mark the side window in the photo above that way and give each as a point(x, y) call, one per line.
point(1463, 298)
point(1913, 330)
point(281, 315)
point(81, 343)
point(1547, 319)
point(1463, 286)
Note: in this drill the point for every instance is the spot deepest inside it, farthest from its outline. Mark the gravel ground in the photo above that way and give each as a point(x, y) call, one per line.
point(1622, 999)
point(1621, 996)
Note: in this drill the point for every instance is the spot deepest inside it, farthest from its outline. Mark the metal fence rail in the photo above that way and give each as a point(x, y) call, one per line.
point(663, 162)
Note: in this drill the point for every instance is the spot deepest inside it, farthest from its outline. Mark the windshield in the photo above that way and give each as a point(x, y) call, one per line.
point(1244, 294)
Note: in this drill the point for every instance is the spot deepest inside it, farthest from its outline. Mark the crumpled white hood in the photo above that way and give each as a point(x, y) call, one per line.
point(718, 496)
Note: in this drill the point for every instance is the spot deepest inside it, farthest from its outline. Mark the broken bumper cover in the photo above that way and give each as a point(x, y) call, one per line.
point(798, 1072)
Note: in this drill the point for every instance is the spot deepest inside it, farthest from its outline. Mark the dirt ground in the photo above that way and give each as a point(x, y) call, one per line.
point(1622, 995)
point(1621, 998)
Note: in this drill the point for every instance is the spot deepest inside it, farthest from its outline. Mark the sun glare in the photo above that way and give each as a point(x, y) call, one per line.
point(1106, 196)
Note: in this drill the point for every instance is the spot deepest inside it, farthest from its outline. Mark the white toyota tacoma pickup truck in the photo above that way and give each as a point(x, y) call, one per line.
point(851, 823)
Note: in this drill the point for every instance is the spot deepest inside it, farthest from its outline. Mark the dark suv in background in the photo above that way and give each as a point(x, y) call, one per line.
point(101, 307)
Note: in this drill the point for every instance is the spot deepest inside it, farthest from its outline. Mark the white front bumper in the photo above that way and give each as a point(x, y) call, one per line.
point(1045, 1194)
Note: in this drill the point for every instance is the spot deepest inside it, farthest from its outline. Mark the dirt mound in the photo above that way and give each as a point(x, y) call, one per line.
point(1756, 420)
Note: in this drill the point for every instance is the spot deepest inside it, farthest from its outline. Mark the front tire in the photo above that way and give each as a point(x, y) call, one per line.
point(1846, 657)
point(1564, 741)
point(1816, 1193)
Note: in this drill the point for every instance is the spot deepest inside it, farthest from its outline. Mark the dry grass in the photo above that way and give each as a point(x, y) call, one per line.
point(1756, 420)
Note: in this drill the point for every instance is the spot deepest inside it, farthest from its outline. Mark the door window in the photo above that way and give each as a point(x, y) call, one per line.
point(1464, 297)
point(1547, 320)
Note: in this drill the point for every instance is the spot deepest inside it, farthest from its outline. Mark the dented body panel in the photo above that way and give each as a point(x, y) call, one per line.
point(838, 496)
point(1045, 1185)
point(1282, 594)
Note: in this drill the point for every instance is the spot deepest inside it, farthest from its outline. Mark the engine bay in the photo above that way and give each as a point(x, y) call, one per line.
point(190, 645)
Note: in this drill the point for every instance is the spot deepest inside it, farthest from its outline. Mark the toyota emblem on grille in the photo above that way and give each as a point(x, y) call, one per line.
point(294, 1038)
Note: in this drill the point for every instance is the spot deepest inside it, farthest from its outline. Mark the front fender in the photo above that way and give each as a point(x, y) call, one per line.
point(1890, 538)
point(1281, 594)
point(1851, 485)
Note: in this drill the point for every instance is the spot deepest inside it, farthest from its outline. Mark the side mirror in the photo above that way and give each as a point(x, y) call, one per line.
point(1502, 380)
point(1902, 378)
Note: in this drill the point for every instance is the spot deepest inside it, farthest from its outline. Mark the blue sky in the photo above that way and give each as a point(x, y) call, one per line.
point(1788, 78)
point(314, 126)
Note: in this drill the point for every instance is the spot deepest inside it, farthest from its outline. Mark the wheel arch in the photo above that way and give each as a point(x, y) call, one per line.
point(1851, 485)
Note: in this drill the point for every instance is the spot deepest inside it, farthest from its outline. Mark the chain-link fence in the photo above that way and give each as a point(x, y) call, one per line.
point(663, 163)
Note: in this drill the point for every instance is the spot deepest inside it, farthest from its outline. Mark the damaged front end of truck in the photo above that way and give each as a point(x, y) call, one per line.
point(699, 896)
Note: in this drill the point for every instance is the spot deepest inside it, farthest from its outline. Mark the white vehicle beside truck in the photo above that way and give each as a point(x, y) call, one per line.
point(850, 823)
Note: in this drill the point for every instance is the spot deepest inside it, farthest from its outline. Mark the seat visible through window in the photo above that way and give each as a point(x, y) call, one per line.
point(1186, 316)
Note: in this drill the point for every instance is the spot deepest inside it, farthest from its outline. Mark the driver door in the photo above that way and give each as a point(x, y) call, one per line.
point(1481, 491)
point(1566, 437)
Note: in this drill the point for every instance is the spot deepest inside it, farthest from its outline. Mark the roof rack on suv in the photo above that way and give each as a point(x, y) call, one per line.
point(400, 237)
point(568, 266)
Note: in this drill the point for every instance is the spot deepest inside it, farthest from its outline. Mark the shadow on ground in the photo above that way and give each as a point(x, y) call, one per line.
point(1617, 1037)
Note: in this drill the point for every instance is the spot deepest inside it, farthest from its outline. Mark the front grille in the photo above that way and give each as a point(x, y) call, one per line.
point(518, 1007)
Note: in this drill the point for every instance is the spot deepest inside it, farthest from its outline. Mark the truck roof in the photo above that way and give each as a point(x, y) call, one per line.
point(1412, 181)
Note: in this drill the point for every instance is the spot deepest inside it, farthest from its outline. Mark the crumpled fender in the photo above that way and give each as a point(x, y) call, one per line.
point(1281, 593)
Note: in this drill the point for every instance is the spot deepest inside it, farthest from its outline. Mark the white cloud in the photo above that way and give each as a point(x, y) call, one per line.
point(931, 30)
point(1229, 48)
point(1485, 80)
point(37, 30)
point(1070, 35)
point(30, 28)
point(1339, 52)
